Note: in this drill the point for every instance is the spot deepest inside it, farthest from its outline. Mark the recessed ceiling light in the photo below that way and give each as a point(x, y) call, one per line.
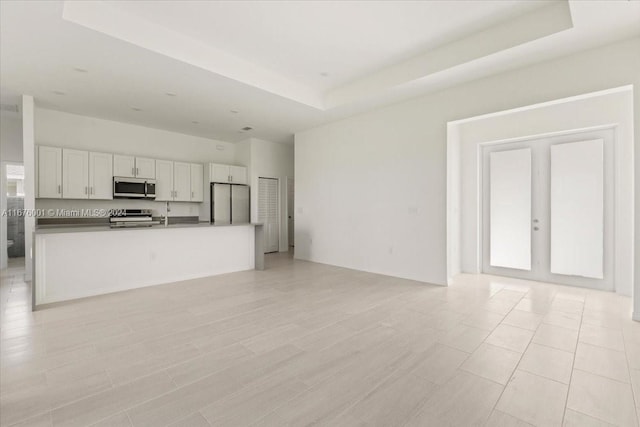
point(136, 108)
point(59, 92)
point(81, 70)
point(170, 94)
point(246, 128)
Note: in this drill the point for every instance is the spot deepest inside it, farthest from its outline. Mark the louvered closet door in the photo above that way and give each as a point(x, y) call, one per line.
point(268, 212)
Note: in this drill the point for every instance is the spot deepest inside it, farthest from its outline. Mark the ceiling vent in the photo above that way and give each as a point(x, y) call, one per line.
point(12, 108)
point(247, 128)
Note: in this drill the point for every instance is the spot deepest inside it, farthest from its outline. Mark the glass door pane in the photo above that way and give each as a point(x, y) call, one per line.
point(510, 208)
point(577, 208)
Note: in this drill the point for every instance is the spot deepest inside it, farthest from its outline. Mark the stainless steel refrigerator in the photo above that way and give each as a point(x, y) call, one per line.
point(229, 204)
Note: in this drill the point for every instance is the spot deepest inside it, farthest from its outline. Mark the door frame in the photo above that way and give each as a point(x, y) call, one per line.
point(608, 283)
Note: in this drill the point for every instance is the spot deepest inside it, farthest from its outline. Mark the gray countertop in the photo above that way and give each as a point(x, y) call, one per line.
point(54, 229)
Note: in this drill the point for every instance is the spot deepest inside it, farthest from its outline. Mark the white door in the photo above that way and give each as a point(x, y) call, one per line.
point(145, 168)
point(290, 209)
point(268, 212)
point(49, 172)
point(238, 174)
point(181, 182)
point(100, 176)
point(219, 173)
point(548, 209)
point(197, 182)
point(75, 174)
point(164, 180)
point(124, 166)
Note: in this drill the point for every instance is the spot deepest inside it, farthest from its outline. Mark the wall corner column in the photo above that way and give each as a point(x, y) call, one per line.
point(29, 160)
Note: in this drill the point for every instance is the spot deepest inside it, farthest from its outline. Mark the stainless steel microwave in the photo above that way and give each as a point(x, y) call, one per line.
point(134, 188)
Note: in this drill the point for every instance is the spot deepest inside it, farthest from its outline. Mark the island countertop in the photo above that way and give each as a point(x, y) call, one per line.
point(55, 229)
point(72, 262)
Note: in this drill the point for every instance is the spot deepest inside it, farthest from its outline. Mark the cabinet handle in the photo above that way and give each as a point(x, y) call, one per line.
point(192, 194)
point(59, 189)
point(85, 190)
point(137, 171)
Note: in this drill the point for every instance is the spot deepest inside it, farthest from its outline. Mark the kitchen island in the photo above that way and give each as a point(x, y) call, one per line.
point(78, 262)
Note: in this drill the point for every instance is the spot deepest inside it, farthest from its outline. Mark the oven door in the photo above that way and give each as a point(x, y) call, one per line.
point(129, 188)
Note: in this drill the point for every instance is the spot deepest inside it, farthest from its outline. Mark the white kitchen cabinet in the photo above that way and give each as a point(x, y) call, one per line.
point(133, 167)
point(124, 166)
point(50, 172)
point(181, 182)
point(227, 174)
point(75, 174)
point(197, 182)
point(164, 180)
point(145, 168)
point(218, 173)
point(238, 174)
point(100, 176)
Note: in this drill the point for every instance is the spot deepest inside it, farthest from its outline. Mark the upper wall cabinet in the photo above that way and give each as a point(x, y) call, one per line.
point(75, 174)
point(227, 173)
point(134, 167)
point(164, 180)
point(180, 182)
point(87, 175)
point(100, 176)
point(197, 182)
point(49, 172)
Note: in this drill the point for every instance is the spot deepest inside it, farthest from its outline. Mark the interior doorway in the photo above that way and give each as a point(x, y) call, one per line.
point(547, 209)
point(268, 212)
point(13, 204)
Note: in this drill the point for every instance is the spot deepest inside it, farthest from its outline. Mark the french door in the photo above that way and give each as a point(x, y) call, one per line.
point(547, 209)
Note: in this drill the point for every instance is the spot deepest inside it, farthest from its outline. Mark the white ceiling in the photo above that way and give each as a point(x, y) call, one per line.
point(265, 59)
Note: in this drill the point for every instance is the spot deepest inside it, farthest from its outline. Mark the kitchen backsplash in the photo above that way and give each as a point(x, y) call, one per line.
point(89, 208)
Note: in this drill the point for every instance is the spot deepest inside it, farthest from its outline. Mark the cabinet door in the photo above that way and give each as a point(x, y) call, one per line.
point(197, 182)
point(164, 180)
point(75, 174)
point(124, 166)
point(181, 182)
point(100, 176)
point(219, 173)
point(49, 172)
point(145, 168)
point(238, 174)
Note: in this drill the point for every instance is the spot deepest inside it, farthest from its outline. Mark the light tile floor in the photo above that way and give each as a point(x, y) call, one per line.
point(303, 343)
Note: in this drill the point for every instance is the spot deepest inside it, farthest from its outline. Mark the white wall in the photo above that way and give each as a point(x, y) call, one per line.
point(10, 152)
point(10, 138)
point(371, 189)
point(268, 160)
point(600, 109)
point(88, 133)
point(28, 157)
